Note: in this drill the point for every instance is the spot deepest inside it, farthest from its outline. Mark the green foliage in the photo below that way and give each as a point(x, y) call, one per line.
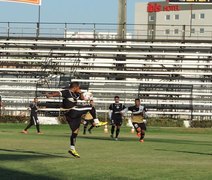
point(13, 119)
point(165, 122)
point(201, 124)
point(62, 120)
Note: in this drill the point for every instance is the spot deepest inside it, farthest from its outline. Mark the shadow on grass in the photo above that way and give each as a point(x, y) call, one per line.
point(34, 154)
point(6, 174)
point(189, 152)
point(179, 141)
point(107, 138)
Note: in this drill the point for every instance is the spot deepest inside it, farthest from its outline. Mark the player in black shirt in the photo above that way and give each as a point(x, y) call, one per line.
point(33, 117)
point(88, 119)
point(137, 117)
point(116, 116)
point(73, 112)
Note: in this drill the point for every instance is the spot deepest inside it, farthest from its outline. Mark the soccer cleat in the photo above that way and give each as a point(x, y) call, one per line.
point(116, 139)
point(24, 132)
point(74, 153)
point(39, 133)
point(89, 131)
point(101, 123)
point(141, 140)
point(111, 136)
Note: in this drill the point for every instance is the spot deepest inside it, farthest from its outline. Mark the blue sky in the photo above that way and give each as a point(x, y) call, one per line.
point(70, 11)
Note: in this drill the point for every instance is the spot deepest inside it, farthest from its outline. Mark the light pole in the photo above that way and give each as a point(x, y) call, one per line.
point(122, 19)
point(121, 34)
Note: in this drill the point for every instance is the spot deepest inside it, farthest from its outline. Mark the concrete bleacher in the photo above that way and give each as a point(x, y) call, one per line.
point(33, 66)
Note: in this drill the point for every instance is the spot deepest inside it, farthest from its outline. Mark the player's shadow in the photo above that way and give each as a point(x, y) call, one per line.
point(179, 141)
point(6, 174)
point(25, 155)
point(183, 151)
point(106, 138)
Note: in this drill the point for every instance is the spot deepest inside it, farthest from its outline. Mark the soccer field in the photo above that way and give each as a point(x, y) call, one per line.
point(167, 153)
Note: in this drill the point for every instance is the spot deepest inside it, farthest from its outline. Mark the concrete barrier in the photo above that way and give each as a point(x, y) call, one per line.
point(48, 120)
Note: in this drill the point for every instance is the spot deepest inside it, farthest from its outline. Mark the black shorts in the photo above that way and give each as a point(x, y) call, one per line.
point(74, 124)
point(139, 125)
point(77, 111)
point(116, 122)
point(74, 115)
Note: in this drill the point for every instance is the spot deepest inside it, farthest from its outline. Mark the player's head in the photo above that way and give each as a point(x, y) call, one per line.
point(116, 99)
point(35, 100)
point(137, 102)
point(74, 86)
point(91, 102)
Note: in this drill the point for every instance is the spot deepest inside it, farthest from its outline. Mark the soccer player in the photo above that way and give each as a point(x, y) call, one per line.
point(88, 118)
point(137, 116)
point(74, 112)
point(116, 116)
point(33, 117)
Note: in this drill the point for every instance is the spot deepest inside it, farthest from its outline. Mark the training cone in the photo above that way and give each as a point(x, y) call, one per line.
point(106, 129)
point(132, 130)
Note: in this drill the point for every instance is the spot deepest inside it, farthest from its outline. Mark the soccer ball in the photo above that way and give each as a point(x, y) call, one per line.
point(88, 96)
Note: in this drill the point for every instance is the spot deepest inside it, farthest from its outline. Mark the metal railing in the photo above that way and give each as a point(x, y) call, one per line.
point(105, 31)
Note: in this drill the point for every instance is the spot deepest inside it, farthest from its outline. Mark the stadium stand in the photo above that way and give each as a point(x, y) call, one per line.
point(172, 77)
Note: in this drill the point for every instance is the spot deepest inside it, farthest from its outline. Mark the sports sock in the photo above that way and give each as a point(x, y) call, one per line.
point(84, 131)
point(38, 128)
point(73, 139)
point(117, 132)
point(72, 147)
point(112, 130)
point(91, 127)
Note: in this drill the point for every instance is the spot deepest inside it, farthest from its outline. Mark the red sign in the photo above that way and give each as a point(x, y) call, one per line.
point(155, 7)
point(36, 2)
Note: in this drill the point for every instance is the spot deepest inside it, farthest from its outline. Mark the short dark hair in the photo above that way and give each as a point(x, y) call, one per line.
point(137, 99)
point(74, 84)
point(116, 97)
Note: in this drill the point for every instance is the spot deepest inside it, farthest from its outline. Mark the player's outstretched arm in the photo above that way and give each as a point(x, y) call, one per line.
point(124, 111)
point(53, 94)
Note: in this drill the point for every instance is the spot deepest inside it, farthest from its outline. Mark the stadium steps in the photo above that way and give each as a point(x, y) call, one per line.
point(26, 61)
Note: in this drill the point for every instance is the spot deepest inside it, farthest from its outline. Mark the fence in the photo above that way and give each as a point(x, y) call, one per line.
point(134, 31)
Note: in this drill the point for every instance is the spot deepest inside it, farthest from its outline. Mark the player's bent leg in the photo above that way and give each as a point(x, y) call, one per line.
point(74, 125)
point(72, 150)
point(28, 126)
point(138, 130)
point(99, 123)
point(142, 135)
point(92, 126)
point(143, 128)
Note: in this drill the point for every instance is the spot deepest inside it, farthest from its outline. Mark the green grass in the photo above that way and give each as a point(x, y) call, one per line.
point(168, 153)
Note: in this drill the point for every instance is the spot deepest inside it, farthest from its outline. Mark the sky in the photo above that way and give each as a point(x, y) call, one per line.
point(67, 11)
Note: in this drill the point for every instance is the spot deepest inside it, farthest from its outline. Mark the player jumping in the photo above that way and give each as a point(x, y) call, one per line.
point(74, 112)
